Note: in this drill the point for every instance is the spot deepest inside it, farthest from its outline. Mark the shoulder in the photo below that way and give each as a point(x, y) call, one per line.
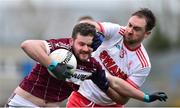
point(59, 40)
point(95, 63)
point(54, 44)
point(143, 57)
point(108, 26)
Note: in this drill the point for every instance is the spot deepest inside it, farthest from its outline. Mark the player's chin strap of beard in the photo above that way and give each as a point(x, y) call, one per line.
point(97, 40)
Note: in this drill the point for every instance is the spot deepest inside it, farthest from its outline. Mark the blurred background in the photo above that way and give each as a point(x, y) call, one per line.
point(44, 19)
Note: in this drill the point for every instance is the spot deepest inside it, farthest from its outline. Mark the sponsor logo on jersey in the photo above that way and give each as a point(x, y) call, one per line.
point(111, 66)
point(79, 76)
point(62, 45)
point(82, 77)
point(118, 46)
point(58, 45)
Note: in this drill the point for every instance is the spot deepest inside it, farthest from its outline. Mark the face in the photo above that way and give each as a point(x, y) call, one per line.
point(82, 47)
point(135, 31)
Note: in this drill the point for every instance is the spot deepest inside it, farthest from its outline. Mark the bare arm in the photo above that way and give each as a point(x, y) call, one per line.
point(36, 50)
point(124, 88)
point(116, 97)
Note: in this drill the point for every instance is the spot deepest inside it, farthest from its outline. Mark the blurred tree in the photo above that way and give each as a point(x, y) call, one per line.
point(159, 42)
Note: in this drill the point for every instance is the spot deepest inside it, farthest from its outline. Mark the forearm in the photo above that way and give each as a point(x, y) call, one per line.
point(36, 50)
point(124, 88)
point(98, 28)
point(116, 97)
point(113, 86)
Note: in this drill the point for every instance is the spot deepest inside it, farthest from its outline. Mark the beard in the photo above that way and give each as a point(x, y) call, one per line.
point(81, 55)
point(131, 41)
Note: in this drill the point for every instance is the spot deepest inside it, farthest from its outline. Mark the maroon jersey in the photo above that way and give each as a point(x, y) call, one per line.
point(41, 84)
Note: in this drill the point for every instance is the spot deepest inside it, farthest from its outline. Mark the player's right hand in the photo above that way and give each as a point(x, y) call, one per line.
point(99, 78)
point(161, 96)
point(61, 70)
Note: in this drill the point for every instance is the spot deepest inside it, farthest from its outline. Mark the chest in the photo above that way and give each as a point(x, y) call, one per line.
point(83, 71)
point(117, 60)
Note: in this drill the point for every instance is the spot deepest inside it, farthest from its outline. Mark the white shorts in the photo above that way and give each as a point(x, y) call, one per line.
point(17, 101)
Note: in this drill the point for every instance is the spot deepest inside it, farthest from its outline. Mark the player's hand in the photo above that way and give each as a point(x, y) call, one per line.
point(161, 96)
point(61, 70)
point(99, 78)
point(97, 40)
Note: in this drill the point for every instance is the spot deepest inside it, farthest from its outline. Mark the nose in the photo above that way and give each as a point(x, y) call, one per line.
point(130, 30)
point(85, 48)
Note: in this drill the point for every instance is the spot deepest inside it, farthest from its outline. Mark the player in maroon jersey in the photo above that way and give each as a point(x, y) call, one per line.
point(39, 88)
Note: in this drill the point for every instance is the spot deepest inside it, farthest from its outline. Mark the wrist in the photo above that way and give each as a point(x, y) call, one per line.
point(146, 98)
point(52, 65)
point(107, 86)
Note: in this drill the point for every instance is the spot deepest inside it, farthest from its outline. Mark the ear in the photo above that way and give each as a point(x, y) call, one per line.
point(147, 34)
point(71, 41)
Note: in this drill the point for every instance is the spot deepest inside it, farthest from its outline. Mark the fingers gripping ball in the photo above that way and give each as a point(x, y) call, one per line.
point(63, 64)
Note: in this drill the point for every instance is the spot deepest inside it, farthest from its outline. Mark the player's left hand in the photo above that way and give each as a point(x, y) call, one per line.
point(97, 40)
point(99, 78)
point(161, 96)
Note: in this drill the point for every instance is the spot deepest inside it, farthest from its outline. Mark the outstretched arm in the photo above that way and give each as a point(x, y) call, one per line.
point(116, 97)
point(123, 88)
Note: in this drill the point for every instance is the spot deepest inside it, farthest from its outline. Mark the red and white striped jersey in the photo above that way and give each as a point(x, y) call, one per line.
point(118, 60)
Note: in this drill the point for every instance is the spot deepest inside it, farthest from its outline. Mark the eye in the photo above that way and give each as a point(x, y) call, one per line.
point(137, 28)
point(129, 25)
point(89, 45)
point(81, 44)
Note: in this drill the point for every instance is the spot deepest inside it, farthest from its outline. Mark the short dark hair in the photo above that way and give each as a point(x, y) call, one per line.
point(84, 29)
point(148, 15)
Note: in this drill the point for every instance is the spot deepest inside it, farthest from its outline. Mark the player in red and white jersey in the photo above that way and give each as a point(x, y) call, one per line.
point(122, 56)
point(39, 88)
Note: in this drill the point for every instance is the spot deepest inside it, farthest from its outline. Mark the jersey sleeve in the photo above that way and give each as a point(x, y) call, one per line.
point(53, 44)
point(110, 30)
point(138, 77)
point(46, 47)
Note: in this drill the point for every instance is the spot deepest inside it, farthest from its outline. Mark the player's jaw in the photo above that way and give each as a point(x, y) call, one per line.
point(132, 41)
point(84, 55)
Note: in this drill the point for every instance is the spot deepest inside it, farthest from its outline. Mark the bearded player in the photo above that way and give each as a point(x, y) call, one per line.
point(125, 61)
point(39, 88)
